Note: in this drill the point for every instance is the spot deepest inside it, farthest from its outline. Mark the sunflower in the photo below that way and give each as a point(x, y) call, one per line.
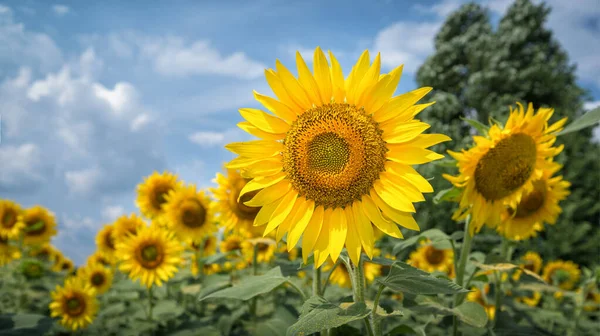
point(265, 249)
point(535, 207)
point(188, 213)
point(530, 261)
point(97, 276)
point(592, 299)
point(153, 191)
point(481, 297)
point(151, 255)
point(431, 259)
point(208, 268)
point(75, 303)
point(64, 265)
point(341, 277)
point(532, 300)
point(32, 269)
point(209, 247)
point(335, 156)
point(105, 241)
point(125, 226)
point(39, 225)
point(45, 252)
point(8, 252)
point(564, 274)
point(232, 242)
point(503, 166)
point(10, 227)
point(99, 258)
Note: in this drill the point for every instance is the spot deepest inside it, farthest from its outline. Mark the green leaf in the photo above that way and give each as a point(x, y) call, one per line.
point(113, 310)
point(381, 261)
point(446, 163)
point(590, 118)
point(481, 128)
point(251, 286)
point(24, 324)
point(470, 313)
point(165, 309)
point(272, 327)
point(218, 257)
point(434, 235)
point(226, 321)
point(319, 314)
point(405, 278)
point(447, 195)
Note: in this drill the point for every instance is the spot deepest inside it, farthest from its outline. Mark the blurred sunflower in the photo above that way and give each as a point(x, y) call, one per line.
point(105, 241)
point(8, 252)
point(430, 259)
point(233, 214)
point(208, 268)
point(265, 249)
point(32, 269)
point(188, 213)
point(75, 303)
point(209, 246)
point(335, 156)
point(45, 252)
point(97, 276)
point(532, 300)
point(64, 265)
point(341, 277)
point(564, 274)
point(152, 193)
point(98, 258)
point(10, 227)
point(592, 299)
point(39, 225)
point(479, 296)
point(530, 261)
point(503, 165)
point(151, 255)
point(536, 207)
point(125, 226)
point(231, 242)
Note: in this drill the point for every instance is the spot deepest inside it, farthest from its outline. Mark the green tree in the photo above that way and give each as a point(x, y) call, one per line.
point(478, 72)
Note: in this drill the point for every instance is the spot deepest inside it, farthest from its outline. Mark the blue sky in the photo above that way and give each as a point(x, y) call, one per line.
point(96, 95)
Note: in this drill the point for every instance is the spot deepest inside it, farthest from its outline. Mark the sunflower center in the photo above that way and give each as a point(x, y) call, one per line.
point(434, 256)
point(97, 279)
point(262, 247)
point(233, 245)
point(159, 196)
point(240, 208)
point(505, 167)
point(150, 255)
point(109, 240)
point(75, 306)
point(560, 276)
point(533, 201)
point(529, 267)
point(9, 219)
point(193, 214)
point(35, 227)
point(333, 154)
point(65, 266)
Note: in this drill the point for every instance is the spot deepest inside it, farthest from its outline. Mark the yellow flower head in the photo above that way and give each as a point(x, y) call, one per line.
point(105, 241)
point(126, 226)
point(341, 277)
point(564, 274)
point(99, 258)
point(265, 249)
point(45, 252)
point(75, 304)
point(536, 207)
point(232, 242)
point(503, 166)
point(63, 264)
point(188, 213)
point(209, 247)
point(39, 225)
point(481, 297)
point(10, 227)
point(532, 300)
point(152, 255)
point(8, 252)
point(153, 191)
point(335, 156)
point(430, 259)
point(592, 299)
point(97, 275)
point(208, 268)
point(532, 261)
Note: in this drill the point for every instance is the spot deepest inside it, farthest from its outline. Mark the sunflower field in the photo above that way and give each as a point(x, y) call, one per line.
point(357, 210)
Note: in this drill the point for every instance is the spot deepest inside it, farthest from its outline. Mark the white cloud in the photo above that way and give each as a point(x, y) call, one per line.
point(442, 8)
point(83, 181)
point(212, 139)
point(61, 10)
point(112, 212)
point(591, 105)
point(21, 166)
point(5, 10)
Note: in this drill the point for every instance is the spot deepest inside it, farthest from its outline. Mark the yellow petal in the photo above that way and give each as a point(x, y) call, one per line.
point(256, 148)
point(356, 75)
point(322, 245)
point(269, 194)
point(369, 80)
point(399, 104)
point(370, 208)
point(285, 206)
point(241, 162)
point(248, 127)
point(263, 215)
point(405, 189)
point(293, 87)
point(322, 76)
point(261, 183)
point(337, 80)
point(264, 168)
point(383, 94)
point(299, 224)
point(352, 240)
point(338, 228)
point(278, 88)
point(311, 233)
point(404, 219)
point(392, 197)
point(264, 121)
point(299, 209)
point(427, 140)
point(307, 80)
point(410, 175)
point(404, 132)
point(276, 107)
point(363, 228)
point(411, 155)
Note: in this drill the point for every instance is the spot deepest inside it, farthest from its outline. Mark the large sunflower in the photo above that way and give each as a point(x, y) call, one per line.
point(188, 213)
point(97, 275)
point(75, 304)
point(564, 274)
point(105, 241)
point(151, 255)
point(153, 191)
point(39, 225)
point(126, 226)
point(10, 227)
point(8, 252)
point(335, 156)
point(430, 259)
point(536, 207)
point(503, 166)
point(233, 214)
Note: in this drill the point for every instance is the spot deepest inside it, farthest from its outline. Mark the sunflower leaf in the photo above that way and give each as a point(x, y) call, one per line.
point(590, 118)
point(405, 278)
point(437, 237)
point(251, 286)
point(447, 195)
point(319, 314)
point(24, 324)
point(470, 313)
point(481, 128)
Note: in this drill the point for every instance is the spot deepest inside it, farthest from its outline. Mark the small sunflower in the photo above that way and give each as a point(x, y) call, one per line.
point(64, 264)
point(105, 241)
point(208, 268)
point(341, 277)
point(481, 297)
point(265, 249)
point(10, 227)
point(536, 207)
point(233, 214)
point(335, 156)
point(209, 247)
point(8, 252)
point(99, 258)
point(32, 269)
point(153, 191)
point(127, 225)
point(564, 274)
point(431, 259)
point(97, 275)
point(39, 225)
point(75, 304)
point(232, 242)
point(45, 252)
point(151, 255)
point(188, 213)
point(503, 165)
point(592, 299)
point(532, 300)
point(532, 261)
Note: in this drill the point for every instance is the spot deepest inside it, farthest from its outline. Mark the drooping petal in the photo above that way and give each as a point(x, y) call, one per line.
point(337, 235)
point(352, 238)
point(312, 232)
point(261, 183)
point(370, 208)
point(281, 212)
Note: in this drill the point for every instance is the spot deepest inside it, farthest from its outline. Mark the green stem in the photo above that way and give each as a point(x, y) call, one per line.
point(460, 270)
point(254, 272)
point(316, 281)
point(505, 257)
point(329, 277)
point(357, 276)
point(150, 303)
point(374, 319)
point(298, 289)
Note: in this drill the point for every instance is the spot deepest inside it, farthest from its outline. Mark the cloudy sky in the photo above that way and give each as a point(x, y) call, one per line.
point(96, 95)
